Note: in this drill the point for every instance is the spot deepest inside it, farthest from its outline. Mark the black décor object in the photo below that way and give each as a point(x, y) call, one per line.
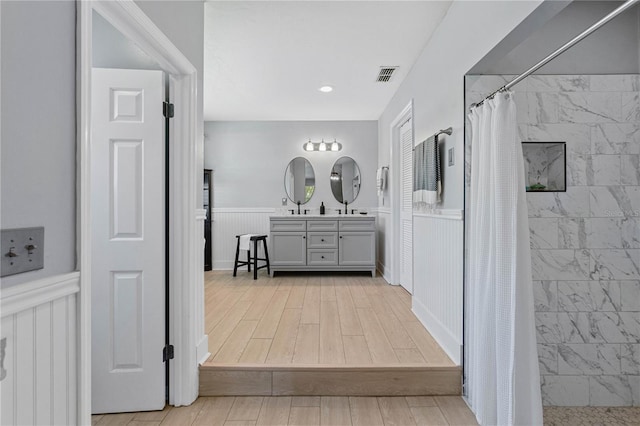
point(254, 239)
point(207, 197)
point(322, 208)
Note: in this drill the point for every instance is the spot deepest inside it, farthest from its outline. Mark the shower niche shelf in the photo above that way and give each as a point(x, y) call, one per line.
point(545, 166)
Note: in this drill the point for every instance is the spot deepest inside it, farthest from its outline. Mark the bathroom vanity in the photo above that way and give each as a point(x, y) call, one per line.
point(323, 243)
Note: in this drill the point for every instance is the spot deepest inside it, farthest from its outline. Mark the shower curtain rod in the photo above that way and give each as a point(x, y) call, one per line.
point(568, 45)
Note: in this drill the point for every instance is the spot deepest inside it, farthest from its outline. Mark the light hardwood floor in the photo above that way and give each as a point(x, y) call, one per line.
point(280, 411)
point(305, 319)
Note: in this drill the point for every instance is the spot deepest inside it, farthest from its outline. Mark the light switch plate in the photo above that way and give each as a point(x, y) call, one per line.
point(284, 201)
point(22, 250)
point(450, 156)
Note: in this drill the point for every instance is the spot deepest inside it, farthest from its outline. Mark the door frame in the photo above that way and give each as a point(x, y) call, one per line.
point(395, 189)
point(186, 277)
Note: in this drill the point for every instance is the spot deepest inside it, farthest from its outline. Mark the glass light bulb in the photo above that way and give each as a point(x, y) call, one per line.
point(334, 146)
point(323, 146)
point(308, 146)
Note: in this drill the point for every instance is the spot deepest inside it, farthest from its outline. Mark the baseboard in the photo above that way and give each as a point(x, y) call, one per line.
point(202, 349)
point(384, 271)
point(222, 265)
point(443, 336)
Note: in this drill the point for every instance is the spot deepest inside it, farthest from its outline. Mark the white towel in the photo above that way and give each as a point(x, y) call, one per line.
point(245, 241)
point(381, 180)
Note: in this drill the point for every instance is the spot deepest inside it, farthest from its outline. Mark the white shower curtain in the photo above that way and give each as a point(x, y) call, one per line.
point(503, 378)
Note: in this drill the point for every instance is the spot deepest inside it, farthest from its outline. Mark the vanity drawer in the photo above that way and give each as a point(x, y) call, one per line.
point(322, 240)
point(358, 225)
point(288, 225)
point(322, 225)
point(319, 257)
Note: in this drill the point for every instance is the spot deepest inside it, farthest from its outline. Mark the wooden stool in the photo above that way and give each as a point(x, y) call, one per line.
point(254, 239)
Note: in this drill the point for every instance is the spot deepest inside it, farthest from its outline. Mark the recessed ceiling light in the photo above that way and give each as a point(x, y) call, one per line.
point(326, 89)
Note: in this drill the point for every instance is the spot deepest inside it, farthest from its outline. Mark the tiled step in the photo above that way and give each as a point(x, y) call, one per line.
point(328, 380)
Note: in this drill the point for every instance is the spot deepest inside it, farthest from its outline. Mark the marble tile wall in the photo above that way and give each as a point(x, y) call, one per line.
point(585, 242)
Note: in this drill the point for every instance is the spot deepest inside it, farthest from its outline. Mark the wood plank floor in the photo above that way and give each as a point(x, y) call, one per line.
point(320, 410)
point(311, 319)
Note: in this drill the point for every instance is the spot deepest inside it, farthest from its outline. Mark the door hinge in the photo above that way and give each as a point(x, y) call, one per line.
point(167, 109)
point(167, 353)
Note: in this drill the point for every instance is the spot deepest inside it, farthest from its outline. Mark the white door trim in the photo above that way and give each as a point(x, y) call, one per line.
point(395, 189)
point(185, 152)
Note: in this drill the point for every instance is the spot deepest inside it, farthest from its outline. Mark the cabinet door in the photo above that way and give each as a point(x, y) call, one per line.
point(357, 248)
point(288, 248)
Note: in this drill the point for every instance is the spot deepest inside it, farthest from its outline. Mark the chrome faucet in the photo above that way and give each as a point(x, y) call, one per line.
point(298, 207)
point(345, 207)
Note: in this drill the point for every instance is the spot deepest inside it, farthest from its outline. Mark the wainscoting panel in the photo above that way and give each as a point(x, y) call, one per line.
point(438, 277)
point(384, 242)
point(229, 222)
point(39, 325)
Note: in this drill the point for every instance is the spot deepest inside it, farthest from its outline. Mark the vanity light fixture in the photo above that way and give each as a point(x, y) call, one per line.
point(322, 146)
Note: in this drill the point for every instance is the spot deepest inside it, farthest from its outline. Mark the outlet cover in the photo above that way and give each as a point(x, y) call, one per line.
point(284, 201)
point(22, 250)
point(450, 157)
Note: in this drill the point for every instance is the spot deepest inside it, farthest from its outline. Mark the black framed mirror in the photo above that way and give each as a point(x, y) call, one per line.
point(299, 180)
point(345, 180)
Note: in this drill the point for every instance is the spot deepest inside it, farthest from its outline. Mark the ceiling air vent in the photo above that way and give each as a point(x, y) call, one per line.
point(385, 74)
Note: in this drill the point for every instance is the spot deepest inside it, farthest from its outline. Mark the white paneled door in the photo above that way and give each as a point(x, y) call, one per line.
point(406, 206)
point(128, 240)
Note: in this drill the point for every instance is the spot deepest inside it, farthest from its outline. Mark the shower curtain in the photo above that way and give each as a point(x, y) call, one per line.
point(503, 378)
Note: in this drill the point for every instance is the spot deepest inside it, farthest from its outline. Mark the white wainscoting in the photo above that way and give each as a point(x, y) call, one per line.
point(384, 241)
point(438, 277)
point(200, 336)
point(229, 222)
point(39, 323)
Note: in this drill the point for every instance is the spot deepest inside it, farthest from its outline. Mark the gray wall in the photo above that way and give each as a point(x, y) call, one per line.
point(182, 21)
point(38, 128)
point(435, 82)
point(111, 49)
point(616, 44)
point(249, 159)
point(38, 137)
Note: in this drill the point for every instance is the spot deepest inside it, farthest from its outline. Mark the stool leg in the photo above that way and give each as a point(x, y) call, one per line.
point(266, 255)
point(235, 264)
point(255, 259)
point(249, 258)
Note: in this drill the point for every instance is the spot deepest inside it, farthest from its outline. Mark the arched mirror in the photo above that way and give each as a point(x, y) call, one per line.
point(345, 179)
point(299, 180)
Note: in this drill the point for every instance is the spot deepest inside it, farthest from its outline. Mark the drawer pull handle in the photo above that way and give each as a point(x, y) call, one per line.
point(322, 257)
point(304, 238)
point(340, 236)
point(322, 240)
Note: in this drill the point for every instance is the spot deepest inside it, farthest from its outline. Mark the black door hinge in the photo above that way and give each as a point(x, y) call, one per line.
point(167, 109)
point(167, 353)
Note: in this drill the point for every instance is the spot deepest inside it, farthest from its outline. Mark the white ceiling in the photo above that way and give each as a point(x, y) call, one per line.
point(265, 60)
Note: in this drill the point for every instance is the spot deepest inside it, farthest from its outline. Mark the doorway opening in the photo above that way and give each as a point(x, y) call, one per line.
point(401, 190)
point(183, 189)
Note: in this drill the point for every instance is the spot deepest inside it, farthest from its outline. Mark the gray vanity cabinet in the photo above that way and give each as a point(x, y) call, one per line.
point(346, 243)
point(288, 248)
point(357, 248)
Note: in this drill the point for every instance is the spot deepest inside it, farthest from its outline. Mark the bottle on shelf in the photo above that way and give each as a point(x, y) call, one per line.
point(322, 207)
